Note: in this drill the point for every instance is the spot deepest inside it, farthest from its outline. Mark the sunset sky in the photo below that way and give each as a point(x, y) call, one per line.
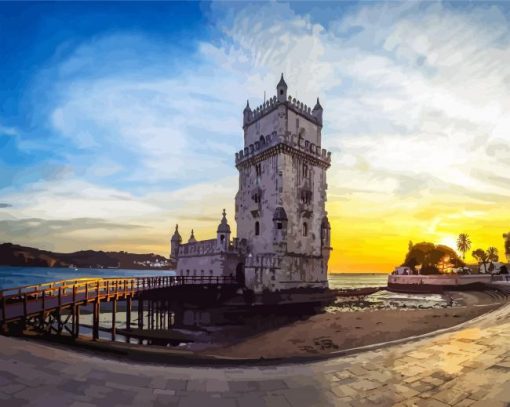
point(118, 121)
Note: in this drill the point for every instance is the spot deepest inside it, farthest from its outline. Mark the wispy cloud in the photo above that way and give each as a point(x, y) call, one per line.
point(416, 97)
point(8, 131)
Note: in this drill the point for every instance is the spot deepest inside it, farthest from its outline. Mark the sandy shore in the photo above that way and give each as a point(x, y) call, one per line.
point(329, 332)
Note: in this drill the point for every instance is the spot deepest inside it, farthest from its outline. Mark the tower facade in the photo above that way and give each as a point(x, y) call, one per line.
point(280, 205)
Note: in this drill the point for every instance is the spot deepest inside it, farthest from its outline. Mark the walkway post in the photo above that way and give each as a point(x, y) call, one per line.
point(95, 321)
point(76, 321)
point(114, 312)
point(140, 318)
point(128, 312)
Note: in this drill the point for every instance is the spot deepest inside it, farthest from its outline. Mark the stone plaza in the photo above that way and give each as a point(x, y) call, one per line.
point(468, 365)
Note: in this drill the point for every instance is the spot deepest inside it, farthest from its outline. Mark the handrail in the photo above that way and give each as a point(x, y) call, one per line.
point(110, 285)
point(58, 282)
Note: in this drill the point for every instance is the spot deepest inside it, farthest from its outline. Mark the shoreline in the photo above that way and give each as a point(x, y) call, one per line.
point(316, 336)
point(337, 331)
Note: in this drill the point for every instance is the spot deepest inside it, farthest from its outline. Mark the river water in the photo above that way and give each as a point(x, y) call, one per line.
point(20, 276)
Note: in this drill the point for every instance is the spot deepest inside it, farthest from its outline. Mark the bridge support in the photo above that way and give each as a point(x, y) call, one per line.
point(95, 320)
point(140, 318)
point(114, 315)
point(129, 301)
point(76, 321)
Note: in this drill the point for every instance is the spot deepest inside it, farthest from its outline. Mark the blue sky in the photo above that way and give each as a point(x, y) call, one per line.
point(118, 120)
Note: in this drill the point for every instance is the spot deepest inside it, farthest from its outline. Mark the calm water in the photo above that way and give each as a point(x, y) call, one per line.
point(357, 280)
point(20, 276)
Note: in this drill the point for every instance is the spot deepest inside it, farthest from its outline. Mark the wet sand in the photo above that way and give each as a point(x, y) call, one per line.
point(329, 332)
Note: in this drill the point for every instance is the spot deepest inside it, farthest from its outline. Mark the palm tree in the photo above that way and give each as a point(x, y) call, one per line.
point(463, 244)
point(481, 256)
point(492, 256)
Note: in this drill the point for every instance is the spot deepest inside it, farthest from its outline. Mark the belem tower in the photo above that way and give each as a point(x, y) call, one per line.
point(283, 232)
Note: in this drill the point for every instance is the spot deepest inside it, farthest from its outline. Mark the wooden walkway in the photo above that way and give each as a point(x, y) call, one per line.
point(44, 305)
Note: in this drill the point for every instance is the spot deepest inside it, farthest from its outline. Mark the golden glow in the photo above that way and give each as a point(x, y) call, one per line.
point(371, 232)
point(449, 240)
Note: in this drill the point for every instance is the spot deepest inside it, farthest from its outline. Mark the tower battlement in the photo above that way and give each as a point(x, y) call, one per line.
point(292, 140)
point(273, 103)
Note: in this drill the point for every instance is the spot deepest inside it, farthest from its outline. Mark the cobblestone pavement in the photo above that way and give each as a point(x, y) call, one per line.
point(466, 367)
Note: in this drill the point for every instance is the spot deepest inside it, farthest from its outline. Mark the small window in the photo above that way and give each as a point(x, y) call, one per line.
point(305, 171)
point(279, 225)
point(281, 91)
point(257, 229)
point(305, 229)
point(222, 237)
point(297, 125)
point(210, 272)
point(258, 170)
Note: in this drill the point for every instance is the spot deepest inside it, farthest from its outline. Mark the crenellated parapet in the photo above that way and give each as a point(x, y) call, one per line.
point(251, 116)
point(295, 141)
point(203, 248)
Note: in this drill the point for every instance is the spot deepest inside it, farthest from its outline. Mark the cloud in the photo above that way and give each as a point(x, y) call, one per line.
point(394, 81)
point(5, 205)
point(416, 97)
point(8, 131)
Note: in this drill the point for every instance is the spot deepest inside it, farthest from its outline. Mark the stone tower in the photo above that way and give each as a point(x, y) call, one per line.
point(280, 204)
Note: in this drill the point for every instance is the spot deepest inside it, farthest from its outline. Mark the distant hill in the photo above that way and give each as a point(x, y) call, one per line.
point(16, 255)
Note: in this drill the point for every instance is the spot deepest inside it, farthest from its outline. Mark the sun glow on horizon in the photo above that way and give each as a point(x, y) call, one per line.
point(449, 241)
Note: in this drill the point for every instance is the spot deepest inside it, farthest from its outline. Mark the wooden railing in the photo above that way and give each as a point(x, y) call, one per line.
point(35, 299)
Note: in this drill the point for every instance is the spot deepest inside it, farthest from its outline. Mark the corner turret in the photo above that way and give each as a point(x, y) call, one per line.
point(247, 114)
point(175, 242)
point(281, 90)
point(223, 232)
point(192, 238)
point(317, 112)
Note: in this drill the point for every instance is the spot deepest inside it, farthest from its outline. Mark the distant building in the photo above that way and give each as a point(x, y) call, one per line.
point(283, 232)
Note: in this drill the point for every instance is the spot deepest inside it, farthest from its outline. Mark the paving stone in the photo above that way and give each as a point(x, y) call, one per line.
point(468, 367)
point(465, 403)
point(276, 401)
point(451, 396)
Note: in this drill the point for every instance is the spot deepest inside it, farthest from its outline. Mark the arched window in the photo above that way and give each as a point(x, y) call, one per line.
point(257, 229)
point(305, 229)
point(222, 237)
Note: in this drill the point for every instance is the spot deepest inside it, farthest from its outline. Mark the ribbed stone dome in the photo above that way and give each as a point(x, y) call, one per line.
point(224, 227)
point(176, 236)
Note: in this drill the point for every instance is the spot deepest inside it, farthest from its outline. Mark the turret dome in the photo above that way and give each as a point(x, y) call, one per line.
point(176, 236)
point(282, 83)
point(224, 227)
point(317, 106)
